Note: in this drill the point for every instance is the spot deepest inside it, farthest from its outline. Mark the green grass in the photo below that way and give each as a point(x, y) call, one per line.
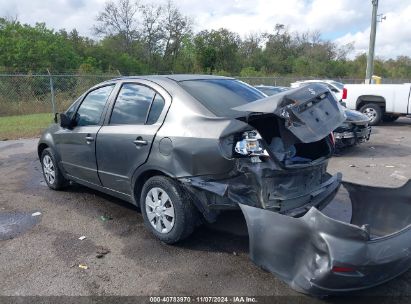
point(24, 126)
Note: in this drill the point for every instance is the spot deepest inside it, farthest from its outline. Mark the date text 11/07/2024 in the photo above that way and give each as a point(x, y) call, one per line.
point(203, 299)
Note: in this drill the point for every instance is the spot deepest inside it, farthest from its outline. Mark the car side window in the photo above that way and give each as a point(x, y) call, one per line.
point(72, 109)
point(156, 109)
point(90, 110)
point(132, 105)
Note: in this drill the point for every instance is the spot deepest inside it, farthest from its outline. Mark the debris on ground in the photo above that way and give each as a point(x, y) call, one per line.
point(83, 266)
point(352, 166)
point(389, 166)
point(83, 237)
point(235, 253)
point(36, 213)
point(105, 218)
point(371, 165)
point(101, 252)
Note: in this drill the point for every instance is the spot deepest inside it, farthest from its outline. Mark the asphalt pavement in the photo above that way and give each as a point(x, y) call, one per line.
point(40, 255)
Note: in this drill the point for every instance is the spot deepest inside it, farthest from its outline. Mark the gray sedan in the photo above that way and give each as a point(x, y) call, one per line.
point(185, 147)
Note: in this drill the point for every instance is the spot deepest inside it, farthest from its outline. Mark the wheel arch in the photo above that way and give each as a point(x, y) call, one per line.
point(141, 176)
point(364, 99)
point(40, 148)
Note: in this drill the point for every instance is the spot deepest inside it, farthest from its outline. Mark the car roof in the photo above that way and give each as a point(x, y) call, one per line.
point(316, 80)
point(329, 81)
point(175, 77)
point(268, 86)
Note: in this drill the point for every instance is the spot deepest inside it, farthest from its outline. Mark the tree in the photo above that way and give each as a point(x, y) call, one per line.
point(218, 50)
point(176, 27)
point(119, 19)
point(28, 48)
point(152, 30)
point(250, 51)
point(141, 37)
point(278, 50)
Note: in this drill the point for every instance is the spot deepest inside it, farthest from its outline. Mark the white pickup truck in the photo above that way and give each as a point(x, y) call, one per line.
point(380, 102)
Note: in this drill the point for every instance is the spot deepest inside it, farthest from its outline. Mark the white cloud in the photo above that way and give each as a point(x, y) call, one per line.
point(343, 20)
point(58, 14)
point(393, 35)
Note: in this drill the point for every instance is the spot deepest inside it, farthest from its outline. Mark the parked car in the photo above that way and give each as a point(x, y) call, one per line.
point(271, 90)
point(184, 147)
point(380, 102)
point(170, 143)
point(355, 129)
point(334, 86)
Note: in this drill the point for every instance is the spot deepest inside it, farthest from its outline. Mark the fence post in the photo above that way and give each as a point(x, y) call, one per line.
point(53, 101)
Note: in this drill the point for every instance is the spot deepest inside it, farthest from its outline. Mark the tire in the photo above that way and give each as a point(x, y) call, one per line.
point(49, 167)
point(373, 111)
point(160, 221)
point(389, 118)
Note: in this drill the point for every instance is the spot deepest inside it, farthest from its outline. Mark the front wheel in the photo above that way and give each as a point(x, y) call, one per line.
point(167, 209)
point(373, 112)
point(51, 172)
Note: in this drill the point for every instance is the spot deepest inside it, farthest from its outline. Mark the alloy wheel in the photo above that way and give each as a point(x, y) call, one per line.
point(48, 169)
point(370, 113)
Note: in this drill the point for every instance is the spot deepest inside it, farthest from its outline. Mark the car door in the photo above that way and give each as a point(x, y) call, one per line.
point(77, 146)
point(124, 142)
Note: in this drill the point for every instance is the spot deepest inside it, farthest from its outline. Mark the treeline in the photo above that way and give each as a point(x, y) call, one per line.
point(133, 38)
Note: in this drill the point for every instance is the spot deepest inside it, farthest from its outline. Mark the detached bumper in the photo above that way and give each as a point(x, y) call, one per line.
point(320, 255)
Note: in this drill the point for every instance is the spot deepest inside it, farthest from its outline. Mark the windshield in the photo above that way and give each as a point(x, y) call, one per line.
point(339, 85)
point(221, 95)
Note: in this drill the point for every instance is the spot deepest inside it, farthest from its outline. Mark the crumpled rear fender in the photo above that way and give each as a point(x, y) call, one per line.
point(319, 255)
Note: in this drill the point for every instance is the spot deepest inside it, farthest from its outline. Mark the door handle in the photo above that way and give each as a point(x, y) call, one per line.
point(140, 141)
point(89, 139)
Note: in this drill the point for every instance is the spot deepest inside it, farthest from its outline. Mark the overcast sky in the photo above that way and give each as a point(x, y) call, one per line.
point(342, 21)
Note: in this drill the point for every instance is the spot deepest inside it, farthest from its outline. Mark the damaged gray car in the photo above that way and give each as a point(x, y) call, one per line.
point(185, 147)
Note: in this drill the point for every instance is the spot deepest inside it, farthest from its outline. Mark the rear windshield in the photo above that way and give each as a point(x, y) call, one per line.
point(220, 95)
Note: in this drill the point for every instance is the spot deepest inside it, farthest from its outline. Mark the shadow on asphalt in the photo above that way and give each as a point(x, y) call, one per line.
point(228, 234)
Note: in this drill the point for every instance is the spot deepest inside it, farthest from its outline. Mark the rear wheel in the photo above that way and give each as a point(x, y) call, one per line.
point(51, 172)
point(374, 113)
point(167, 209)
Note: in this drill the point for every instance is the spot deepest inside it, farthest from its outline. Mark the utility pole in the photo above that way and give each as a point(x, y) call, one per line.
point(370, 58)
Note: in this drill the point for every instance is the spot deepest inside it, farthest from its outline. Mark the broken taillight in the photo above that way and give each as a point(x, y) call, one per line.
point(250, 144)
point(344, 93)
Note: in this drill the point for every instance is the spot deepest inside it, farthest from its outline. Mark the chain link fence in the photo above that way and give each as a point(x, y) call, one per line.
point(28, 94)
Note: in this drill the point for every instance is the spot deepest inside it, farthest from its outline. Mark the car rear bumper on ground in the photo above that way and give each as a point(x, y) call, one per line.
point(320, 255)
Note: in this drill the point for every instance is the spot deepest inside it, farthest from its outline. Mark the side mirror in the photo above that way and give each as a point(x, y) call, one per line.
point(65, 121)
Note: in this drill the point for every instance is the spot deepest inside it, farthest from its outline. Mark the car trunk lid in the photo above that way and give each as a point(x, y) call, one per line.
point(310, 112)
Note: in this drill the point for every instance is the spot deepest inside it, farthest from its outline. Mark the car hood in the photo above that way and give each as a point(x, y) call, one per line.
point(310, 112)
point(356, 117)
